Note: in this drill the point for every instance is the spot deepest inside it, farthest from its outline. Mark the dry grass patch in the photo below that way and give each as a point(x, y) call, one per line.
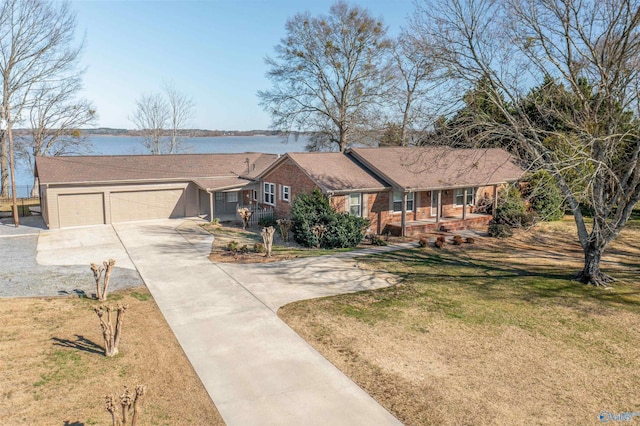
point(490, 333)
point(53, 370)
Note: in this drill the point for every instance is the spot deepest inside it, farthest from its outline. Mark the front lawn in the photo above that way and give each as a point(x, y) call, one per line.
point(495, 332)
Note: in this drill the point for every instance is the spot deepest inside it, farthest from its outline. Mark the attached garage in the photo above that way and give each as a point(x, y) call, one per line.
point(93, 190)
point(80, 209)
point(143, 205)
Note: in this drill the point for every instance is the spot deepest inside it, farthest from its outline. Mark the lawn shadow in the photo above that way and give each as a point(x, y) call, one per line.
point(493, 279)
point(81, 343)
point(68, 423)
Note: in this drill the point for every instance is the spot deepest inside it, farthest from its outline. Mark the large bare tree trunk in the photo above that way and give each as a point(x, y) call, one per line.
point(591, 273)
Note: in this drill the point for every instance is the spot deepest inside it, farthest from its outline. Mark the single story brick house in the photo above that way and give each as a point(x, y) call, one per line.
point(90, 190)
point(401, 190)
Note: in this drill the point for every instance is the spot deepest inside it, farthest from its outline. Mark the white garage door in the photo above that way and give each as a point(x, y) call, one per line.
point(80, 209)
point(142, 205)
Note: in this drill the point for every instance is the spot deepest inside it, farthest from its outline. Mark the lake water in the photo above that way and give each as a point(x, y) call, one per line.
point(123, 145)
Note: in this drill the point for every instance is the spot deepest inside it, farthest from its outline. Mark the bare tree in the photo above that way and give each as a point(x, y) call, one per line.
point(111, 332)
point(128, 402)
point(151, 117)
point(581, 121)
point(415, 66)
point(329, 76)
point(181, 111)
point(102, 290)
point(37, 45)
point(56, 116)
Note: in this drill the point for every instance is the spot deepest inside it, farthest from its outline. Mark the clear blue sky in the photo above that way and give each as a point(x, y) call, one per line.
point(212, 50)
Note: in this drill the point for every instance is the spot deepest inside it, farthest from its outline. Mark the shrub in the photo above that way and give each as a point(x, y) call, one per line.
point(423, 242)
point(232, 246)
point(439, 243)
point(512, 210)
point(470, 240)
point(344, 230)
point(317, 224)
point(378, 241)
point(267, 221)
point(544, 196)
point(457, 240)
point(259, 248)
point(499, 230)
point(244, 249)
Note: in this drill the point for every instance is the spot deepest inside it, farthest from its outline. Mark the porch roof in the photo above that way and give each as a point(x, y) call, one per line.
point(436, 167)
point(221, 183)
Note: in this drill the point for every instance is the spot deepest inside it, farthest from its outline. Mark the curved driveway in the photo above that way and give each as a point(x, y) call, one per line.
point(257, 370)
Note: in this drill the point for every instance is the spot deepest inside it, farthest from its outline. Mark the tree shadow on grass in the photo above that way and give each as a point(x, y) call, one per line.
point(496, 280)
point(68, 423)
point(81, 343)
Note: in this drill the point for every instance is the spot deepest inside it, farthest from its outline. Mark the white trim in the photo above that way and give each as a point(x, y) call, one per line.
point(269, 193)
point(359, 205)
point(285, 190)
point(410, 198)
point(470, 192)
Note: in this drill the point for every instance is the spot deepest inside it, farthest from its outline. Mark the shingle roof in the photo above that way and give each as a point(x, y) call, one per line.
point(335, 172)
point(437, 167)
point(119, 168)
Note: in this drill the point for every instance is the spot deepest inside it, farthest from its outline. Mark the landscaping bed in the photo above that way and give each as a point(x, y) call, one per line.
point(232, 233)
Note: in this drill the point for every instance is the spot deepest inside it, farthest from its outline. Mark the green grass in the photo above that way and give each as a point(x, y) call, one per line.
point(63, 366)
point(143, 297)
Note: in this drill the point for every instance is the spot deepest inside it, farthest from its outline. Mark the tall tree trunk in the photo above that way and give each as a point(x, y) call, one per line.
point(12, 166)
point(35, 190)
point(591, 273)
point(4, 165)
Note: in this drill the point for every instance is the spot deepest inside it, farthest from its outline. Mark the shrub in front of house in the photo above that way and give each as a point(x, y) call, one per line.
point(512, 210)
point(544, 196)
point(340, 230)
point(267, 221)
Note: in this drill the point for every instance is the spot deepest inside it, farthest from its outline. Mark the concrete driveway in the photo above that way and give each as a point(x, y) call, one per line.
point(257, 370)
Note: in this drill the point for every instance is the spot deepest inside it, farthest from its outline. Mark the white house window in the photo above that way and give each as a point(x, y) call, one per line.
point(355, 204)
point(460, 197)
point(270, 193)
point(286, 193)
point(397, 201)
point(232, 197)
point(219, 196)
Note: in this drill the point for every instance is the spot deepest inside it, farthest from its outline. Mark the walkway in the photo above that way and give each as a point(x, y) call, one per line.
point(256, 369)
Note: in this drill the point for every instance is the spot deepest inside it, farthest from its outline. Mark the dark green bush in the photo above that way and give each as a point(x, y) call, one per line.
point(267, 221)
point(544, 196)
point(499, 230)
point(512, 210)
point(342, 230)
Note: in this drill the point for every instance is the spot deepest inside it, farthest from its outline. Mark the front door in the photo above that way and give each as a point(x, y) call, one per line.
point(434, 203)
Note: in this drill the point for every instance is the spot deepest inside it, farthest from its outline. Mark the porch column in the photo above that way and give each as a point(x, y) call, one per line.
point(439, 208)
point(211, 212)
point(403, 220)
point(495, 200)
point(464, 204)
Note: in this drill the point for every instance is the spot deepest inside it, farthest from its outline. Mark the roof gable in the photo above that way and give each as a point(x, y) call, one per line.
point(332, 172)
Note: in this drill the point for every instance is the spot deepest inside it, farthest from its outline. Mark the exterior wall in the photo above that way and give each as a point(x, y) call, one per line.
point(287, 174)
point(51, 213)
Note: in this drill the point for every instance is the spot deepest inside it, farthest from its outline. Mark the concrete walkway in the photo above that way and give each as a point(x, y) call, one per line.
point(256, 369)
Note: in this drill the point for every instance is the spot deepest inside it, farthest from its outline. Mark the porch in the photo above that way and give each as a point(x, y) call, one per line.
point(445, 224)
